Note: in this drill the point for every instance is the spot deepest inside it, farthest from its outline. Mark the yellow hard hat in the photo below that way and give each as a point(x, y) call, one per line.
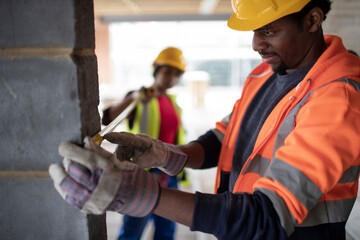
point(171, 56)
point(253, 14)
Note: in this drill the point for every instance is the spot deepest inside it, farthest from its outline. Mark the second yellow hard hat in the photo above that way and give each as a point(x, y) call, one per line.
point(253, 14)
point(171, 56)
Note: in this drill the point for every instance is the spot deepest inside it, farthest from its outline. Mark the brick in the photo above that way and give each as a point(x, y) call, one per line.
point(34, 210)
point(41, 108)
point(343, 20)
point(44, 23)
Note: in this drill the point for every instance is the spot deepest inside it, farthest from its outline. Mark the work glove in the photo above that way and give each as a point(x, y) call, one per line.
point(149, 93)
point(148, 152)
point(94, 181)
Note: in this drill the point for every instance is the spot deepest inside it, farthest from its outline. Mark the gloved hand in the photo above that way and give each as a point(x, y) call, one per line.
point(94, 181)
point(148, 152)
point(149, 93)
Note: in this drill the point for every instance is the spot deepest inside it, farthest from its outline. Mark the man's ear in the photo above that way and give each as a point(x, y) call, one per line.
point(314, 19)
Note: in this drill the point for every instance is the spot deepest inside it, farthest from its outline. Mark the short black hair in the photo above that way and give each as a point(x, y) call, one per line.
point(158, 66)
point(353, 52)
point(156, 69)
point(325, 5)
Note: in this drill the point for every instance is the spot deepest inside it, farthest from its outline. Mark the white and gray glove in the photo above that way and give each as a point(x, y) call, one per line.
point(148, 152)
point(94, 181)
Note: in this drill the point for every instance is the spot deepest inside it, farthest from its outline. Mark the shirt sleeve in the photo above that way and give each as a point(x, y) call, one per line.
point(212, 147)
point(237, 216)
point(106, 119)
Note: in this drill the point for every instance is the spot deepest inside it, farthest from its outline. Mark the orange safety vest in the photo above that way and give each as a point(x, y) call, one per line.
point(306, 158)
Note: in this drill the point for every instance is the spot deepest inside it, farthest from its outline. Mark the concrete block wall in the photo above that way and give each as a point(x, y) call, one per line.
point(48, 94)
point(344, 20)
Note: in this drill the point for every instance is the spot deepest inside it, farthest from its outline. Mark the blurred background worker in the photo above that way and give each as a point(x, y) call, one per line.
point(160, 117)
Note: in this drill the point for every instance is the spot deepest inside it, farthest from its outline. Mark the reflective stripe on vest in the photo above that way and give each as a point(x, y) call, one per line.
point(147, 119)
point(221, 126)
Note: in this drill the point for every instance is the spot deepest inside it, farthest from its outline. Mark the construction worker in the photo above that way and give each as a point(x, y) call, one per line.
point(287, 156)
point(159, 116)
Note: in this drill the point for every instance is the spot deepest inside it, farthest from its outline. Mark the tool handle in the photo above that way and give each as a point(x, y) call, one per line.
point(144, 92)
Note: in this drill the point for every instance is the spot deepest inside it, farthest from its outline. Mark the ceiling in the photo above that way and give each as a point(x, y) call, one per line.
point(135, 10)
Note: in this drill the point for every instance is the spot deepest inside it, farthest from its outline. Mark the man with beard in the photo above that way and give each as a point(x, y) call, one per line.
point(287, 156)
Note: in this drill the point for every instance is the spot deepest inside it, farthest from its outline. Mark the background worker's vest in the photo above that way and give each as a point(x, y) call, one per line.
point(147, 119)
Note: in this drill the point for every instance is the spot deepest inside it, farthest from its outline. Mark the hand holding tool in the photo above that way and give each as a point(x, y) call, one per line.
point(144, 92)
point(146, 152)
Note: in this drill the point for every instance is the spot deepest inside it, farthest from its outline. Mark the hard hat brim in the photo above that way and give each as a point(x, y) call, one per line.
point(242, 25)
point(258, 21)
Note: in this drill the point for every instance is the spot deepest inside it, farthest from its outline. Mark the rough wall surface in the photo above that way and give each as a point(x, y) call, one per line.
point(344, 20)
point(48, 94)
